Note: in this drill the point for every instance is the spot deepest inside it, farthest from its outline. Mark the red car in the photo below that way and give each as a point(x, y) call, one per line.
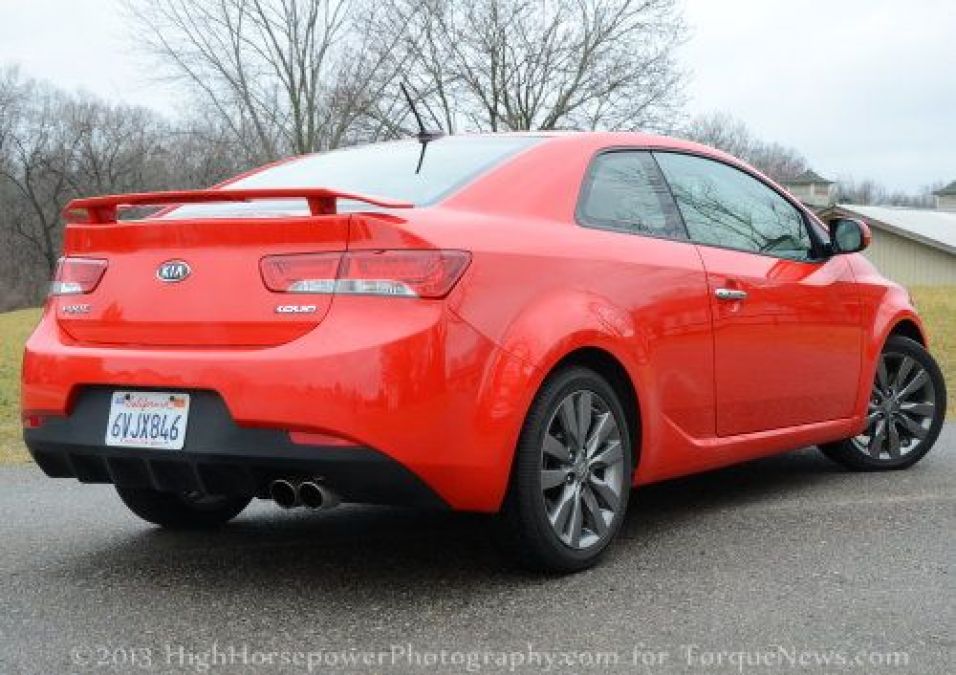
point(524, 324)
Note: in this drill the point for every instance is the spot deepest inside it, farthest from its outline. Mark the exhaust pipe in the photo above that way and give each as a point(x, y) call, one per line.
point(284, 494)
point(314, 495)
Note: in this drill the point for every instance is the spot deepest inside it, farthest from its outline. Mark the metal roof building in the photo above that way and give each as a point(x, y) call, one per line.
point(809, 177)
point(946, 197)
point(812, 189)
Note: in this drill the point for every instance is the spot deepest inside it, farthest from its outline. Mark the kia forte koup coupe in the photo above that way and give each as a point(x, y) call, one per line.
point(528, 325)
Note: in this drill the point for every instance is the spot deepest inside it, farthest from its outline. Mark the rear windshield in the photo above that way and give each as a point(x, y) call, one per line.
point(381, 170)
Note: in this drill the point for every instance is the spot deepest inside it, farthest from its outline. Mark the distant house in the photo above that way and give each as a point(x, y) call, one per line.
point(812, 189)
point(946, 198)
point(914, 247)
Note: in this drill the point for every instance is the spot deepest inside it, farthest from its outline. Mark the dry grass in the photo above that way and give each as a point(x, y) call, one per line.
point(936, 305)
point(15, 327)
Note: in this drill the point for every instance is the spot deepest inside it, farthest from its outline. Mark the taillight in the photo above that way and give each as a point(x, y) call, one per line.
point(400, 273)
point(301, 273)
point(75, 276)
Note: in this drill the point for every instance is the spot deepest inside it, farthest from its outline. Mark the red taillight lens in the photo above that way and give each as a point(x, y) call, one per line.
point(75, 276)
point(413, 274)
point(301, 273)
point(423, 274)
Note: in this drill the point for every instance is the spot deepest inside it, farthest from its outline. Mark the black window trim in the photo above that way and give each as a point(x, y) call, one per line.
point(672, 206)
point(818, 251)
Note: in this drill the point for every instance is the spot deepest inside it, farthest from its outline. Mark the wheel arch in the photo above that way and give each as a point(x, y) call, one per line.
point(908, 328)
point(602, 359)
point(904, 321)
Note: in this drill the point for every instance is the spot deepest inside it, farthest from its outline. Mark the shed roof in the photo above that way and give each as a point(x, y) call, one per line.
point(808, 177)
point(933, 228)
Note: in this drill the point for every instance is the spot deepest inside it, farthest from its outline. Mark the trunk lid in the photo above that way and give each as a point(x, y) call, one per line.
point(219, 301)
point(189, 277)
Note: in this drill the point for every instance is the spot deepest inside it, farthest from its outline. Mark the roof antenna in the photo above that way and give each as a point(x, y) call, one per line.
point(424, 137)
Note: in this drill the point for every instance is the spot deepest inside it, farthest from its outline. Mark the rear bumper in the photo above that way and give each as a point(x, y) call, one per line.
point(218, 457)
point(409, 382)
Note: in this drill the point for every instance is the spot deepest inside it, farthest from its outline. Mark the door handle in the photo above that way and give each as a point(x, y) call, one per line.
point(730, 294)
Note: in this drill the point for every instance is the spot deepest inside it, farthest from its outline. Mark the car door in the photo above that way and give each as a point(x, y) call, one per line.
point(787, 323)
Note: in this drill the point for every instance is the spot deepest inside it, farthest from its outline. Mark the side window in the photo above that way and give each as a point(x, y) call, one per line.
point(724, 206)
point(625, 191)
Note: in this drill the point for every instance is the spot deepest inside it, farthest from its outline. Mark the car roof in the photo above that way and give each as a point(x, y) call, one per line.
point(596, 140)
point(579, 147)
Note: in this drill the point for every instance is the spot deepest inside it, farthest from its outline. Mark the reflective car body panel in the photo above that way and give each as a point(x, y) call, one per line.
point(442, 386)
point(789, 353)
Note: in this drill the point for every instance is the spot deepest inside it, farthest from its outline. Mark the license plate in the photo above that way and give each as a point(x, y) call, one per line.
point(148, 419)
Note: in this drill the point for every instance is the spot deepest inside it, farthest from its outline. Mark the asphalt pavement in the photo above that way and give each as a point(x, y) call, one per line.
point(788, 564)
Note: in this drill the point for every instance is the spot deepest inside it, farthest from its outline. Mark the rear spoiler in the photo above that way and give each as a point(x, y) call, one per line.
point(322, 201)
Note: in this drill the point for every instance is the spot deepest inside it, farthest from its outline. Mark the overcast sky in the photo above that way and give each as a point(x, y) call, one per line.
point(864, 88)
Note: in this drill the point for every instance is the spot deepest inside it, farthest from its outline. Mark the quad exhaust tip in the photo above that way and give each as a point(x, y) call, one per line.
point(311, 494)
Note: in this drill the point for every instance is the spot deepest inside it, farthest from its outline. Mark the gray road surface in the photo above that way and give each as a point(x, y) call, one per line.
point(780, 565)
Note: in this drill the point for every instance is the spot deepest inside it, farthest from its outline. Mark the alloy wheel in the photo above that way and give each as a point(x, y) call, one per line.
point(582, 470)
point(901, 410)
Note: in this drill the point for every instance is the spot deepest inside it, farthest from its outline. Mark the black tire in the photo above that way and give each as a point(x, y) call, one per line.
point(529, 535)
point(182, 511)
point(870, 451)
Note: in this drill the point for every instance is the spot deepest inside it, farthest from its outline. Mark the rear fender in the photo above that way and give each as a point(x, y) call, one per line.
point(543, 334)
point(559, 323)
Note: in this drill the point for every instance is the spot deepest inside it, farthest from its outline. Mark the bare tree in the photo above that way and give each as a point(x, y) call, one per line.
point(11, 100)
point(781, 163)
point(724, 132)
point(61, 147)
point(721, 131)
point(55, 146)
point(283, 76)
point(42, 146)
point(499, 65)
point(869, 191)
point(294, 76)
point(196, 153)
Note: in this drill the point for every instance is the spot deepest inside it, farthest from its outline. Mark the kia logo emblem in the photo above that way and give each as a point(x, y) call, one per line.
point(172, 271)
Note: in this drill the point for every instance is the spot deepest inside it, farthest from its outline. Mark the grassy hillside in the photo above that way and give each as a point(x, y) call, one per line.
point(15, 327)
point(937, 306)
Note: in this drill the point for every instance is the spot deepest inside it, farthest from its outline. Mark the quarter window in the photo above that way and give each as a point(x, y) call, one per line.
point(723, 206)
point(625, 191)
